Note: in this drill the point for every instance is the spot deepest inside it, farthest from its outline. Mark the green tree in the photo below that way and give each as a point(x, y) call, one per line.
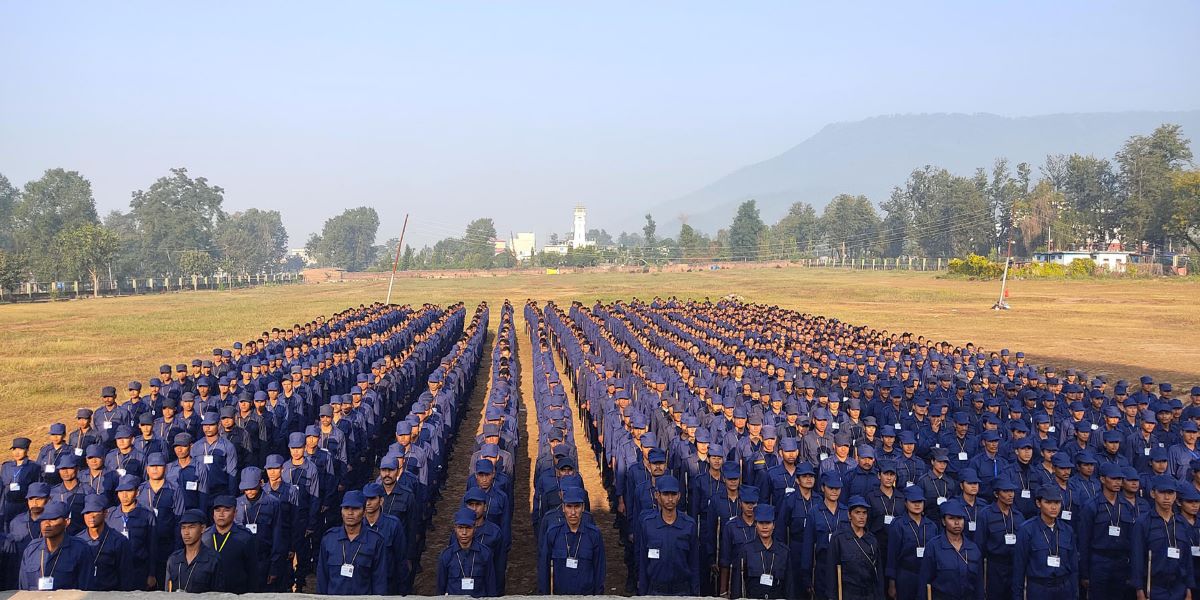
point(744, 232)
point(648, 232)
point(60, 200)
point(692, 244)
point(896, 231)
point(86, 250)
point(479, 244)
point(1093, 211)
point(1145, 167)
point(851, 225)
point(951, 214)
point(252, 241)
point(347, 240)
point(194, 262)
point(9, 196)
point(600, 237)
point(1185, 208)
point(12, 270)
point(798, 232)
point(177, 213)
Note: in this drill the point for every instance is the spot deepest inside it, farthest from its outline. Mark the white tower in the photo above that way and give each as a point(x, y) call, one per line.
point(579, 240)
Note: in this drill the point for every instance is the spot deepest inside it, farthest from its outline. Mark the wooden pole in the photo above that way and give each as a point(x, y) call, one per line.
point(396, 263)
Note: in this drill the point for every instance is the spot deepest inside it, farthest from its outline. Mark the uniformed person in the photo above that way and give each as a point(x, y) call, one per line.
point(57, 561)
point(1046, 561)
point(762, 565)
point(192, 568)
point(908, 537)
point(394, 536)
point(238, 567)
point(465, 567)
point(15, 477)
point(667, 549)
point(571, 560)
point(1162, 554)
point(853, 567)
point(112, 557)
point(353, 559)
point(953, 565)
point(1105, 533)
point(996, 536)
point(136, 524)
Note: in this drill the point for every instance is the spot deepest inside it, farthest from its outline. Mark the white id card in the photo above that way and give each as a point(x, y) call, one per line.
point(766, 579)
point(253, 527)
point(920, 551)
point(1066, 515)
point(1146, 451)
point(962, 456)
point(1195, 550)
point(79, 452)
point(1025, 493)
point(824, 456)
point(1010, 539)
point(898, 427)
point(121, 472)
point(836, 426)
point(1051, 430)
point(887, 519)
point(191, 486)
point(49, 468)
point(208, 459)
point(940, 500)
point(970, 525)
point(45, 583)
point(1172, 552)
point(14, 487)
point(468, 584)
point(347, 570)
point(652, 553)
point(1114, 531)
point(788, 490)
point(572, 563)
point(1095, 427)
point(108, 424)
point(1053, 561)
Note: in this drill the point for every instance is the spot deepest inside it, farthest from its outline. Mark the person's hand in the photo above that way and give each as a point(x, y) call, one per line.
point(151, 582)
point(1141, 595)
point(1084, 583)
point(891, 591)
point(271, 579)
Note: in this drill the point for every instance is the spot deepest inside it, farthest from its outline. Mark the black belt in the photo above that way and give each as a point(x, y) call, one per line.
point(1050, 581)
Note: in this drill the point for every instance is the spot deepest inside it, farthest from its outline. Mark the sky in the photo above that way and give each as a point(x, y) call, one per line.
point(518, 111)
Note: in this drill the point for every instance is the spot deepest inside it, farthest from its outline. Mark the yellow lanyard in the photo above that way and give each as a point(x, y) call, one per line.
point(221, 546)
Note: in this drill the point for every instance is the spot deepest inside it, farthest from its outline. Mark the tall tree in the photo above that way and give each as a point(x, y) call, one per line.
point(58, 201)
point(252, 241)
point(178, 213)
point(347, 240)
point(851, 225)
point(12, 271)
point(895, 232)
point(951, 214)
point(692, 244)
point(9, 196)
point(1185, 208)
point(600, 237)
point(648, 232)
point(479, 244)
point(86, 250)
point(744, 232)
point(798, 232)
point(1145, 166)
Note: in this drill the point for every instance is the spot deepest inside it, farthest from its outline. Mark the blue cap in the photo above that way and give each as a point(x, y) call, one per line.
point(731, 470)
point(831, 480)
point(1188, 492)
point(1062, 461)
point(274, 461)
point(1004, 484)
point(312, 431)
point(464, 517)
point(573, 495)
point(484, 465)
point(193, 515)
point(656, 455)
point(748, 494)
point(58, 510)
point(1112, 471)
point(128, 483)
point(58, 429)
point(764, 513)
point(953, 508)
point(375, 490)
point(353, 499)
point(37, 489)
point(857, 502)
point(913, 493)
point(667, 484)
point(251, 478)
point(296, 440)
point(224, 501)
point(969, 475)
point(95, 503)
point(1163, 483)
point(1050, 493)
point(475, 494)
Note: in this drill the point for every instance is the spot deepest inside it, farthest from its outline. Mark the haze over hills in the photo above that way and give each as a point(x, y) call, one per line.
point(874, 155)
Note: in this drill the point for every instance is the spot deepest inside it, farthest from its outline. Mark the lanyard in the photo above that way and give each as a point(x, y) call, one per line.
point(888, 510)
point(918, 531)
point(870, 555)
point(470, 565)
point(356, 551)
point(221, 546)
point(762, 557)
point(1115, 522)
point(1052, 549)
point(578, 544)
point(57, 554)
point(1172, 535)
point(1009, 521)
point(191, 569)
point(99, 550)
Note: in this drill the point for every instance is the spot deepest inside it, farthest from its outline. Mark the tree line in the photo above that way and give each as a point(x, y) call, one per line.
point(50, 231)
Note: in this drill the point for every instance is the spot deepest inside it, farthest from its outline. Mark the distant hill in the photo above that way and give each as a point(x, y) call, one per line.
point(872, 156)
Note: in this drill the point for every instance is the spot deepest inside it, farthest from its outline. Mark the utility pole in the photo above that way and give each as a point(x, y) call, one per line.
point(1000, 303)
point(396, 263)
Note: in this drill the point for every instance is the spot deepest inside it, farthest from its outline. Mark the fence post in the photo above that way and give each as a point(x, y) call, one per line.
point(939, 264)
point(924, 263)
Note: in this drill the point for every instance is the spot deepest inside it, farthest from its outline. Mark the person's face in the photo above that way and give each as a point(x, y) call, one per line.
point(1112, 484)
point(95, 463)
point(93, 520)
point(209, 430)
point(223, 516)
point(833, 493)
point(748, 509)
point(1164, 500)
point(765, 529)
point(52, 528)
point(657, 469)
point(373, 504)
point(352, 515)
point(19, 454)
point(68, 474)
point(124, 444)
point(858, 517)
point(464, 533)
point(485, 480)
point(127, 497)
point(190, 533)
point(668, 500)
point(1050, 508)
point(1006, 497)
point(36, 504)
point(156, 472)
point(970, 489)
point(915, 508)
point(954, 524)
point(573, 513)
point(388, 476)
point(296, 453)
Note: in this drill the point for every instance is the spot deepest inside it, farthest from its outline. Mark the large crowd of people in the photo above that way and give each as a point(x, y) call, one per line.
point(746, 451)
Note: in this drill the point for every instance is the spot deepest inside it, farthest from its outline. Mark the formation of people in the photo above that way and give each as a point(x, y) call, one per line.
point(747, 451)
point(248, 472)
point(758, 452)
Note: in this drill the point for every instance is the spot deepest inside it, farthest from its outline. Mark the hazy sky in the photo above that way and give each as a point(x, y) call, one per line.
point(520, 110)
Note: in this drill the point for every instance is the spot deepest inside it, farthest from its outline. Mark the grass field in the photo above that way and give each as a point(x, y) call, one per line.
point(59, 355)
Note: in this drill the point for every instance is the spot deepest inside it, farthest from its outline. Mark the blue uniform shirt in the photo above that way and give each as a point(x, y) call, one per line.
point(952, 573)
point(572, 562)
point(70, 565)
point(461, 568)
point(352, 567)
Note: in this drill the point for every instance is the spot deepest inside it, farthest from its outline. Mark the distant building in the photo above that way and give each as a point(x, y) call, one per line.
point(522, 246)
point(579, 234)
point(1112, 260)
point(557, 248)
point(499, 246)
point(302, 254)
